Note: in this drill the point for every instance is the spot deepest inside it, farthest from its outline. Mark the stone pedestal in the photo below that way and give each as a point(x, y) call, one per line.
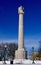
point(20, 54)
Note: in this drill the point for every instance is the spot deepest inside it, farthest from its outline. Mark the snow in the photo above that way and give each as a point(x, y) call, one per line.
point(23, 61)
point(26, 61)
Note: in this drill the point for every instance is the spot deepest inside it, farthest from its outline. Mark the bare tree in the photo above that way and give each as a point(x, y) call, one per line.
point(39, 50)
point(10, 50)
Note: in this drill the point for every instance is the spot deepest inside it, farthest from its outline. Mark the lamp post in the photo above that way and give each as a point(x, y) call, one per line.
point(5, 53)
point(33, 54)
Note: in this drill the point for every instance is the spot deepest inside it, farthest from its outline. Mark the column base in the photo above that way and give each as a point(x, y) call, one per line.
point(20, 54)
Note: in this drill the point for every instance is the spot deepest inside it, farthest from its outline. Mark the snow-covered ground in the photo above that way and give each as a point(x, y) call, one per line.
point(26, 61)
point(21, 61)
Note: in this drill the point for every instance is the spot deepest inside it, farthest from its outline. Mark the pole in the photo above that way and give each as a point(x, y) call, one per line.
point(33, 54)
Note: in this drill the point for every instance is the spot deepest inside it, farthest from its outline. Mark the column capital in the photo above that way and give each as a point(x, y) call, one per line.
point(20, 10)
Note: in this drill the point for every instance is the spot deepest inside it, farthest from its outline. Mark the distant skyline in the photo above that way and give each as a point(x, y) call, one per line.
point(9, 21)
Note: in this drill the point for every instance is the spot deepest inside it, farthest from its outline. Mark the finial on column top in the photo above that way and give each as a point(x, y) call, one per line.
point(21, 10)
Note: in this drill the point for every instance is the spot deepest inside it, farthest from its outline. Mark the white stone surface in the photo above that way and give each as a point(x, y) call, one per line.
point(20, 53)
point(21, 28)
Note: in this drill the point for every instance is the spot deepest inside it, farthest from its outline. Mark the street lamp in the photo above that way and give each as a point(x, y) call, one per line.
point(33, 54)
point(5, 53)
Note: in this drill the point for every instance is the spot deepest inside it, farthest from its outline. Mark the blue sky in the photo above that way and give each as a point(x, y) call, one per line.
point(32, 21)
